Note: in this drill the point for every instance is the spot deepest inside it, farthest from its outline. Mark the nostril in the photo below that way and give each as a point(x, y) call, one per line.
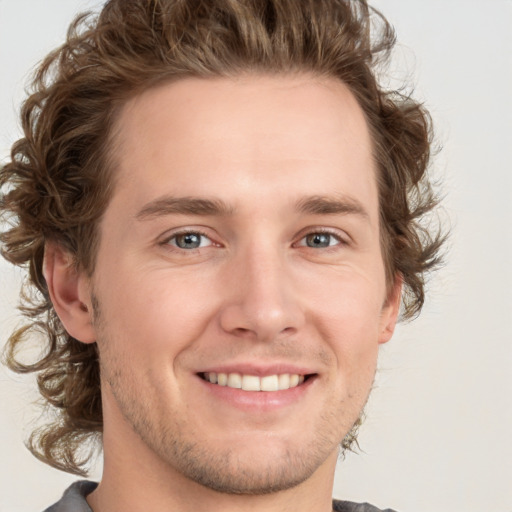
point(242, 331)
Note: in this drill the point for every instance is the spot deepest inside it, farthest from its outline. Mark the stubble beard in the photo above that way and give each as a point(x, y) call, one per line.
point(226, 470)
point(223, 470)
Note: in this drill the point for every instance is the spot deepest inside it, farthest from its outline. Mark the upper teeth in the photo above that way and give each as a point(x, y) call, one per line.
point(255, 383)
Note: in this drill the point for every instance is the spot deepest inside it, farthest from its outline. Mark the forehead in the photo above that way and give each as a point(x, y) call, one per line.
point(242, 135)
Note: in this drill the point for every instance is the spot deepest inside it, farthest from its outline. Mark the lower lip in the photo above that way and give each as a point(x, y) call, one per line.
point(259, 401)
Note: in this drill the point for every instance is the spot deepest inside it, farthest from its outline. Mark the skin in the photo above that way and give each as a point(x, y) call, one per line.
point(281, 158)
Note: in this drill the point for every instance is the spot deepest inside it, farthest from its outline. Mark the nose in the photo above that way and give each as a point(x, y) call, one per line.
point(261, 297)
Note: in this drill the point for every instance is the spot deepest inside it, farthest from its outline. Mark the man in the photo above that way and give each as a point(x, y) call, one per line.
point(219, 208)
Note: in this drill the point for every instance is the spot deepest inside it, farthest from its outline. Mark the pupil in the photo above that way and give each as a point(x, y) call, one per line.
point(188, 241)
point(318, 240)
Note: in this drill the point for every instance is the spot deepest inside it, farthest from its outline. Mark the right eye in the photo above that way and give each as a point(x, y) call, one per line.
point(189, 240)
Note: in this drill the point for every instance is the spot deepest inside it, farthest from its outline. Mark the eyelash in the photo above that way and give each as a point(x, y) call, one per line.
point(323, 231)
point(174, 236)
point(327, 232)
point(317, 231)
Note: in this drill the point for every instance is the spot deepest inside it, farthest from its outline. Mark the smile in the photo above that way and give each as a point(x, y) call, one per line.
point(276, 382)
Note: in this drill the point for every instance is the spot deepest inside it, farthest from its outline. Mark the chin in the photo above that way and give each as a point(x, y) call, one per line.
point(233, 473)
point(252, 465)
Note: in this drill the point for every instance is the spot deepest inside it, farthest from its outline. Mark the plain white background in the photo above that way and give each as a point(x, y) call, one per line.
point(438, 433)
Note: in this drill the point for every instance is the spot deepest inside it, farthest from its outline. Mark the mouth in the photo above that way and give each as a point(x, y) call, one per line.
point(269, 383)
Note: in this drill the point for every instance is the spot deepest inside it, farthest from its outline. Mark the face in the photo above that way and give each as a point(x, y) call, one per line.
point(239, 287)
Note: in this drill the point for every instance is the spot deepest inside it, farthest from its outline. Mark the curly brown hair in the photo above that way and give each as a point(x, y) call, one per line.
point(58, 181)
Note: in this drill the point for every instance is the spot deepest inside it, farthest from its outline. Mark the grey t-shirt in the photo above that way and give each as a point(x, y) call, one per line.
point(73, 500)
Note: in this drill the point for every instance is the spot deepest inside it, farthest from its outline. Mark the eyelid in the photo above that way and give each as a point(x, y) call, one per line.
point(342, 237)
point(166, 239)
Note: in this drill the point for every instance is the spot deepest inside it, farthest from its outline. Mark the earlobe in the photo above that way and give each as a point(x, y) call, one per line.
point(390, 311)
point(69, 294)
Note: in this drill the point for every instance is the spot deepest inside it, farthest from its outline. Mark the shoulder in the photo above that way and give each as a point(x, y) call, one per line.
point(73, 499)
point(349, 506)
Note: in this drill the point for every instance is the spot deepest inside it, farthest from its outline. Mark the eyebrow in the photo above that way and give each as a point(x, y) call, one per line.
point(332, 205)
point(184, 205)
point(313, 205)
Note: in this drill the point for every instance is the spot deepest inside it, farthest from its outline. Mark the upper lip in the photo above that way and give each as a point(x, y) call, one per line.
point(259, 370)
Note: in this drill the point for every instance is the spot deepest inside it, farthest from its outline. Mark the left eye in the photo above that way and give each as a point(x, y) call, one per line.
point(320, 240)
point(190, 240)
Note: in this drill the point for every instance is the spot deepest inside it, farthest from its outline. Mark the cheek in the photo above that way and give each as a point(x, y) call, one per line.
point(347, 313)
point(154, 311)
point(349, 302)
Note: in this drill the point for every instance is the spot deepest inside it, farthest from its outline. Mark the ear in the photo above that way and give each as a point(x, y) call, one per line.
point(69, 293)
point(390, 311)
